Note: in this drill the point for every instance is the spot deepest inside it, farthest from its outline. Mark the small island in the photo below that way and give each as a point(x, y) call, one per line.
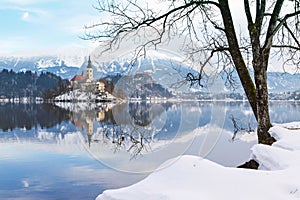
point(83, 88)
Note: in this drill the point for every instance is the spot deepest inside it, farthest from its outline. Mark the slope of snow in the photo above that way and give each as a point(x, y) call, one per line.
point(192, 177)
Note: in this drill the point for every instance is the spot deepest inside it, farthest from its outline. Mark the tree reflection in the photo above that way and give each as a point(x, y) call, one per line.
point(141, 113)
point(29, 116)
point(124, 126)
point(132, 127)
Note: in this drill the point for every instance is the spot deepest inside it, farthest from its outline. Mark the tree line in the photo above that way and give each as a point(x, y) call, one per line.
point(30, 84)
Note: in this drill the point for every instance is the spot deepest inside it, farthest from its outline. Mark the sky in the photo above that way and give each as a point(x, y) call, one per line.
point(44, 25)
point(35, 27)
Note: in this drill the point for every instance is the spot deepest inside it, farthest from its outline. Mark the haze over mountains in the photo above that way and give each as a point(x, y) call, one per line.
point(170, 72)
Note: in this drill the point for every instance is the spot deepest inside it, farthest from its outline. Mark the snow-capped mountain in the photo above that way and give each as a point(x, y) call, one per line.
point(153, 62)
point(283, 82)
point(167, 69)
point(278, 82)
point(65, 68)
point(170, 70)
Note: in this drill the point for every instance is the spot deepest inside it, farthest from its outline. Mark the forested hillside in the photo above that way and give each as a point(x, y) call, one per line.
point(29, 84)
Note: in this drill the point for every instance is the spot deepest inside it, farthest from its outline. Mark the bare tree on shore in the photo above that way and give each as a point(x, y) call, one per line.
point(211, 38)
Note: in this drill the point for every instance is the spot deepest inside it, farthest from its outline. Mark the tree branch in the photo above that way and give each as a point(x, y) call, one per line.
point(260, 10)
point(248, 13)
point(272, 24)
point(286, 46)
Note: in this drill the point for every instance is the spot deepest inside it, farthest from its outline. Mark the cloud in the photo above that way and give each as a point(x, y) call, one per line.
point(37, 15)
point(25, 183)
point(25, 16)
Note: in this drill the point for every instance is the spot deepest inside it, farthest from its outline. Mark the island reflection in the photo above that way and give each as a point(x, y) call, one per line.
point(130, 126)
point(114, 123)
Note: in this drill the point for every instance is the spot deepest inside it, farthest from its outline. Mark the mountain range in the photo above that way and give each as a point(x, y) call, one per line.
point(54, 64)
point(167, 70)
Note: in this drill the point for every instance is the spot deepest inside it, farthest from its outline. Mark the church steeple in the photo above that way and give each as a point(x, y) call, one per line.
point(90, 72)
point(89, 63)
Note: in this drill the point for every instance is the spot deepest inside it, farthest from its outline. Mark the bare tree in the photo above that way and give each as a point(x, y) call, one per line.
point(211, 38)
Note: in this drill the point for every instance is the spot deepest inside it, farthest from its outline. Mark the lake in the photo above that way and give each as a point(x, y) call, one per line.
point(76, 151)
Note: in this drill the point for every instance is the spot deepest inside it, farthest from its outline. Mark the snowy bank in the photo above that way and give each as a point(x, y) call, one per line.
point(192, 177)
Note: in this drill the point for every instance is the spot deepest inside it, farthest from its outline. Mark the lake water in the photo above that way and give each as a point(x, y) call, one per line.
point(76, 151)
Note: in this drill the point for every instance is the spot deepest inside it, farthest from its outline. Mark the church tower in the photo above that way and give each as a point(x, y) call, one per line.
point(89, 71)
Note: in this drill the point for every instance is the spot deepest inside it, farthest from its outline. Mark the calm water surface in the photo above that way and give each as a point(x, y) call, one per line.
point(76, 151)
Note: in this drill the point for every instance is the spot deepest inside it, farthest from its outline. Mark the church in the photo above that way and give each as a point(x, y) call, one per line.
point(86, 82)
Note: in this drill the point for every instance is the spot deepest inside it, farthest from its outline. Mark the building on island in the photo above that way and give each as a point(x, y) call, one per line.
point(82, 81)
point(86, 83)
point(77, 81)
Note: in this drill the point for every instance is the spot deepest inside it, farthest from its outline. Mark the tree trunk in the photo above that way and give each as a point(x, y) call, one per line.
point(258, 94)
point(237, 57)
point(262, 104)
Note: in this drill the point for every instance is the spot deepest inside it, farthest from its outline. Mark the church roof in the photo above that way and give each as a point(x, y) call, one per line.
point(79, 78)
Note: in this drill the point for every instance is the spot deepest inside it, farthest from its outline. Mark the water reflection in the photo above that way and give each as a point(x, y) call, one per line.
point(125, 131)
point(30, 116)
point(46, 147)
point(130, 127)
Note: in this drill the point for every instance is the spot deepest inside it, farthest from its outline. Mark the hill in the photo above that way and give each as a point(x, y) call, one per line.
point(29, 84)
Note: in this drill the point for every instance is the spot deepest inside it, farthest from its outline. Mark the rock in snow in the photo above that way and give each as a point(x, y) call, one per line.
point(192, 177)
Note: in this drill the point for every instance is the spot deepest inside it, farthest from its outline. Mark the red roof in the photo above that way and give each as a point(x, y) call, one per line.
point(79, 78)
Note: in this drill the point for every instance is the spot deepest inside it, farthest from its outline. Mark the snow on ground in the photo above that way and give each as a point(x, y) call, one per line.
point(192, 177)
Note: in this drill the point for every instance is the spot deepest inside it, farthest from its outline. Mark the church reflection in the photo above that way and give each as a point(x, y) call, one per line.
point(130, 126)
point(121, 125)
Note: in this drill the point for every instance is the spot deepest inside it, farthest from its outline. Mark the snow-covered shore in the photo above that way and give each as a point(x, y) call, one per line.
point(192, 177)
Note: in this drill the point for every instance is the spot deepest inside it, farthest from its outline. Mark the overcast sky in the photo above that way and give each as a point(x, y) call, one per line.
point(43, 25)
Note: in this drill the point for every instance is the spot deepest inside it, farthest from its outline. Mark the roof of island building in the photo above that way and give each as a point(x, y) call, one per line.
point(79, 78)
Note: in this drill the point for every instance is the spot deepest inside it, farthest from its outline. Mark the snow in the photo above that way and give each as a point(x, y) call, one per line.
point(193, 177)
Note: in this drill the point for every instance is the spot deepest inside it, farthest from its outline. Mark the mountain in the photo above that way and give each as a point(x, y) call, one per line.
point(62, 67)
point(278, 82)
point(170, 71)
point(166, 69)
